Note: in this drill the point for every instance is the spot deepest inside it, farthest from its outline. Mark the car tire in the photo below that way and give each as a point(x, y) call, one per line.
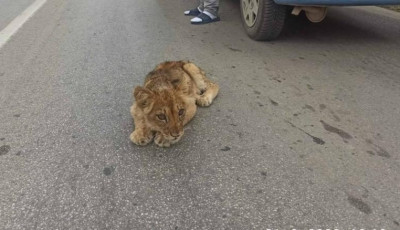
point(263, 20)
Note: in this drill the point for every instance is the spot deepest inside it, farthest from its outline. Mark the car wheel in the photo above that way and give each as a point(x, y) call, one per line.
point(262, 19)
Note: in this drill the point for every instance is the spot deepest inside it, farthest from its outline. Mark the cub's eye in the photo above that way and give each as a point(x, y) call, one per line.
point(162, 117)
point(181, 112)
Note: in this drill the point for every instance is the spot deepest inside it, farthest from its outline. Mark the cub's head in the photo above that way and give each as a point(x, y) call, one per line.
point(164, 111)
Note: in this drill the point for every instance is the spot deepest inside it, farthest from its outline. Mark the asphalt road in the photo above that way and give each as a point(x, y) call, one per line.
point(304, 134)
point(10, 9)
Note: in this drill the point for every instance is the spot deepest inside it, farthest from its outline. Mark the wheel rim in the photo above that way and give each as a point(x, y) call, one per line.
point(250, 11)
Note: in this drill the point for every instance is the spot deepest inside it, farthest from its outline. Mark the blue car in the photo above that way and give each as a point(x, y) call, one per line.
point(264, 19)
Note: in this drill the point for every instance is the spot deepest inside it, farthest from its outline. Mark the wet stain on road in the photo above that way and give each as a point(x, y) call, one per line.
point(322, 106)
point(338, 131)
point(370, 152)
point(108, 170)
point(4, 149)
point(2, 139)
point(309, 107)
point(226, 148)
point(359, 204)
point(316, 140)
point(276, 79)
point(382, 152)
point(273, 102)
point(235, 50)
point(378, 149)
point(257, 92)
point(310, 87)
point(17, 115)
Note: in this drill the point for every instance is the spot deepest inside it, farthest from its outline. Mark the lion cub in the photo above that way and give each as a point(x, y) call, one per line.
point(167, 102)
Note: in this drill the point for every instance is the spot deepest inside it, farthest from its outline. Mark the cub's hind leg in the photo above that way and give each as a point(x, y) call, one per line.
point(196, 75)
point(142, 135)
point(207, 90)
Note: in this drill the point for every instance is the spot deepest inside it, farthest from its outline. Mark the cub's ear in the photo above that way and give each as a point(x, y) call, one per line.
point(143, 97)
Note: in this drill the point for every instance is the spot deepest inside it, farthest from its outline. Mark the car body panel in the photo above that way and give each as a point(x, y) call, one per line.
point(337, 2)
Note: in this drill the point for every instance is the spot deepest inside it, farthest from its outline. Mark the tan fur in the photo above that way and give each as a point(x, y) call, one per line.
point(172, 87)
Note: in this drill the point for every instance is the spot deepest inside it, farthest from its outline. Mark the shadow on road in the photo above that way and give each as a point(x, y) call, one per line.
point(353, 26)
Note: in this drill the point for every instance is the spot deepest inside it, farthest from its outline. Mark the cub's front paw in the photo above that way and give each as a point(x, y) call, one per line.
point(204, 100)
point(139, 138)
point(161, 141)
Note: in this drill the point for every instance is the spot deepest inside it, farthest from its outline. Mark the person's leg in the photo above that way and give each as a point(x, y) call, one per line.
point(211, 7)
point(209, 14)
point(201, 6)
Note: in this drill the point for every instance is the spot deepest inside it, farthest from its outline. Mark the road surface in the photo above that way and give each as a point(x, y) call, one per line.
point(304, 133)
